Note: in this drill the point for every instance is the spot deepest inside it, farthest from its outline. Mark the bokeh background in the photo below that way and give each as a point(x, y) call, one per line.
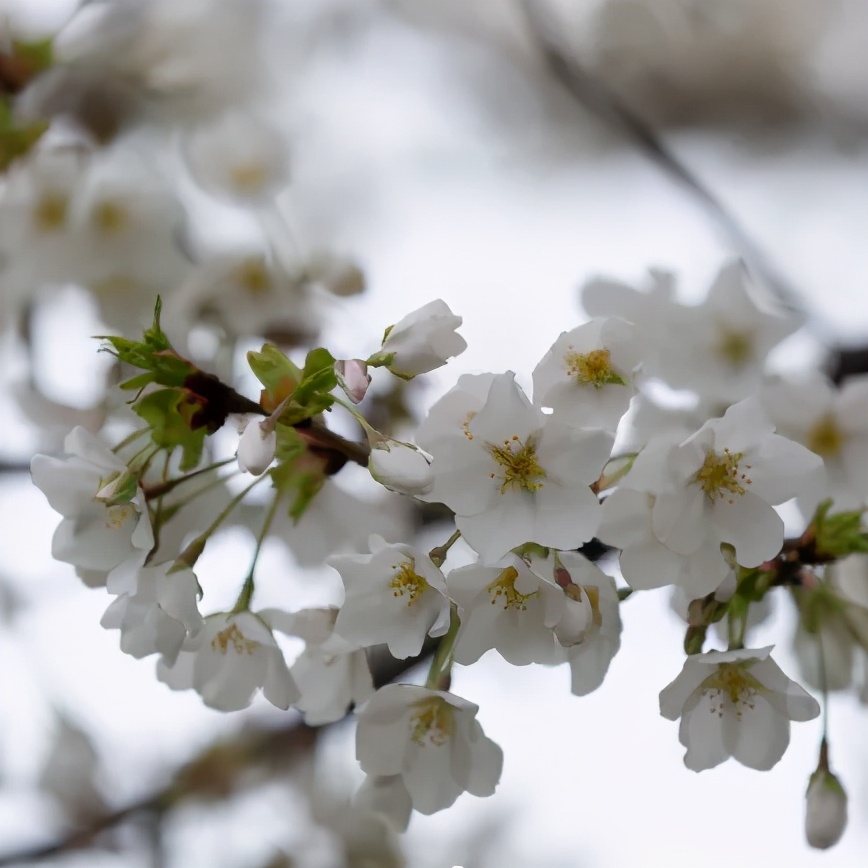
point(435, 144)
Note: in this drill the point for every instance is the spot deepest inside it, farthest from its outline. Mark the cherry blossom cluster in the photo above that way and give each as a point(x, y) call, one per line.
point(537, 486)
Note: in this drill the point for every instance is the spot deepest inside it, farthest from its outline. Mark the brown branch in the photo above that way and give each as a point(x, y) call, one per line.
point(593, 95)
point(217, 772)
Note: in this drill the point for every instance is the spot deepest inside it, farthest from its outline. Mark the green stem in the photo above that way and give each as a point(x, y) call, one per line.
point(440, 673)
point(736, 624)
point(191, 553)
point(160, 488)
point(824, 686)
point(438, 553)
point(130, 438)
point(242, 604)
point(170, 511)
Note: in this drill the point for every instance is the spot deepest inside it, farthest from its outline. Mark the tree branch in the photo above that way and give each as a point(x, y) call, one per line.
point(597, 98)
point(215, 773)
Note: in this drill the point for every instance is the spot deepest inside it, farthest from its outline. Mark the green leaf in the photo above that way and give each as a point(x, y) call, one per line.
point(295, 474)
point(16, 138)
point(840, 534)
point(153, 353)
point(138, 382)
point(275, 371)
point(168, 413)
point(38, 55)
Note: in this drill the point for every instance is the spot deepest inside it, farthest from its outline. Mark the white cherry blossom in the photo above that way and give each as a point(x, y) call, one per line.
point(723, 343)
point(725, 480)
point(507, 607)
point(155, 608)
point(331, 673)
point(422, 341)
point(239, 156)
point(233, 656)
point(432, 740)
point(386, 795)
point(831, 422)
point(587, 375)
point(395, 595)
point(517, 476)
point(735, 704)
point(94, 536)
point(590, 657)
point(646, 562)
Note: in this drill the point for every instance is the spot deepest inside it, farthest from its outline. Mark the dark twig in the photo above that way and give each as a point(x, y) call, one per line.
point(216, 773)
point(600, 101)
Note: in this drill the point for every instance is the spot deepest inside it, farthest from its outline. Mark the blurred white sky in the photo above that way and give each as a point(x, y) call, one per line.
point(392, 161)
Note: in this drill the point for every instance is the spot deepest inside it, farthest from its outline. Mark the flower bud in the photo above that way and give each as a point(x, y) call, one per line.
point(825, 810)
point(256, 448)
point(421, 342)
point(400, 467)
point(353, 378)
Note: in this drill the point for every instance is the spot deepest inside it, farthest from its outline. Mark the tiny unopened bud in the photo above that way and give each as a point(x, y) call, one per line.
point(119, 489)
point(577, 617)
point(400, 467)
point(353, 378)
point(825, 810)
point(256, 448)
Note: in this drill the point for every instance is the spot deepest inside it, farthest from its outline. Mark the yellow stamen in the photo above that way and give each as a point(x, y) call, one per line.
point(520, 467)
point(254, 277)
point(731, 682)
point(233, 637)
point(248, 177)
point(109, 217)
point(407, 582)
point(720, 475)
point(826, 438)
point(50, 212)
point(593, 368)
point(503, 589)
point(737, 348)
point(432, 722)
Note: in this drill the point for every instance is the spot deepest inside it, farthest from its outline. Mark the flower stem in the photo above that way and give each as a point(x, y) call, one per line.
point(242, 604)
point(191, 553)
point(160, 488)
point(440, 673)
point(130, 438)
point(438, 553)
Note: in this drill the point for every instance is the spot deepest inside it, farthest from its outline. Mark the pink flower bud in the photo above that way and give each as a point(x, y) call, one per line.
point(353, 378)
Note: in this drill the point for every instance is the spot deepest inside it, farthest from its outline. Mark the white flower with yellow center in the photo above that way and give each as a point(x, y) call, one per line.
point(724, 342)
point(231, 658)
point(725, 479)
point(831, 422)
point(735, 704)
point(96, 534)
point(646, 562)
point(432, 740)
point(240, 156)
point(510, 608)
point(587, 375)
point(395, 595)
point(515, 475)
